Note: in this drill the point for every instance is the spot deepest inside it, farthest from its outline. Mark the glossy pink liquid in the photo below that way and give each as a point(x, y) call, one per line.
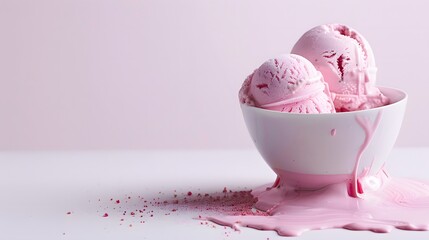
point(377, 203)
point(399, 203)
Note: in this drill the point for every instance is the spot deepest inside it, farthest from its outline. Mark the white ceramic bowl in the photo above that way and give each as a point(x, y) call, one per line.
point(313, 150)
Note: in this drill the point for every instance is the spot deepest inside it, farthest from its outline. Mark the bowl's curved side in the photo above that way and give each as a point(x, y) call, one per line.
point(325, 144)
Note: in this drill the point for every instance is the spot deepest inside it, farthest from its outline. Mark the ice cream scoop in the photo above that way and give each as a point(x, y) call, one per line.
point(288, 83)
point(347, 63)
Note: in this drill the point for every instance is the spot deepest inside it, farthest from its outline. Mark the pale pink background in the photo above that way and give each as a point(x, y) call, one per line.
point(165, 74)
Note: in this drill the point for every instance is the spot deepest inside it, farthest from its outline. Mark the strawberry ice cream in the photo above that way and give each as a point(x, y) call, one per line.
point(347, 63)
point(288, 83)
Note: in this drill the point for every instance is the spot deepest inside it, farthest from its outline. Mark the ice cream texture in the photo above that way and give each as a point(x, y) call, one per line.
point(346, 60)
point(288, 83)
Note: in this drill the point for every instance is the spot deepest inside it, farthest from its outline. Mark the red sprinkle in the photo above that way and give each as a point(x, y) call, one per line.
point(105, 215)
point(69, 213)
point(118, 201)
point(189, 193)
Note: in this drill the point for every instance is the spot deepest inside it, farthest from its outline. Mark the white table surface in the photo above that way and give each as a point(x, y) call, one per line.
point(39, 188)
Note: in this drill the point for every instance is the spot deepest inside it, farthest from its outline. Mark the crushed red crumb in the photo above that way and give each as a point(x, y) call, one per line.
point(224, 202)
point(68, 213)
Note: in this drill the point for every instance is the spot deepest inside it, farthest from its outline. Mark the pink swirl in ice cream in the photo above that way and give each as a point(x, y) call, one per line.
point(288, 83)
point(347, 63)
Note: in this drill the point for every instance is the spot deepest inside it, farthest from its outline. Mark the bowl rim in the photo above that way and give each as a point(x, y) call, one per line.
point(382, 88)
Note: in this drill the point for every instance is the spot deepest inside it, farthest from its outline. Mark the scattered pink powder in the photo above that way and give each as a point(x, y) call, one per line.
point(225, 202)
point(137, 209)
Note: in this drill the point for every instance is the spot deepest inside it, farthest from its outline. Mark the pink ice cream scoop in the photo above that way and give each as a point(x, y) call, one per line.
point(347, 63)
point(288, 83)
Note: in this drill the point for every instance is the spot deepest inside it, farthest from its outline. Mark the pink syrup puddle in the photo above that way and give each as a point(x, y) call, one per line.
point(399, 203)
